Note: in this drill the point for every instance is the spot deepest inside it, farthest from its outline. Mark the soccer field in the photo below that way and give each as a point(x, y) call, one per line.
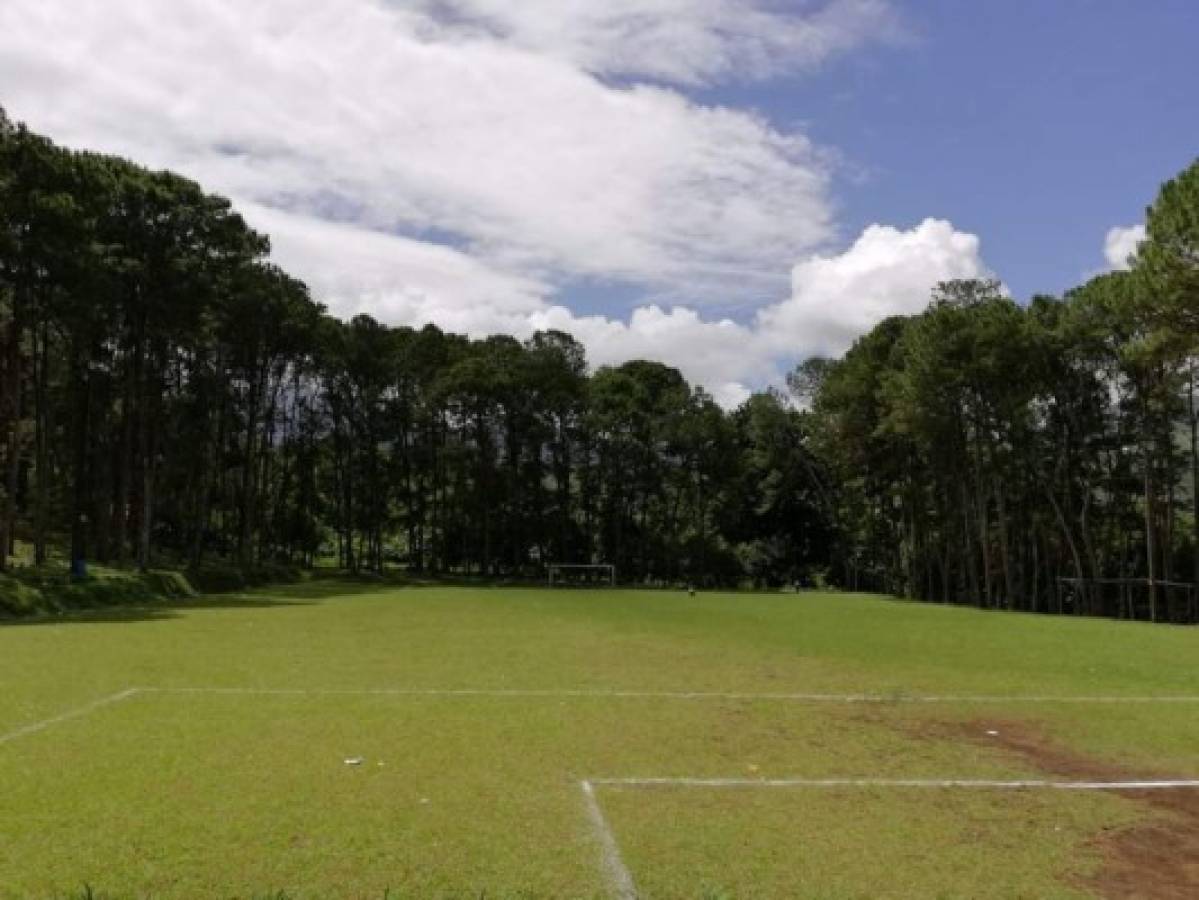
point(538, 743)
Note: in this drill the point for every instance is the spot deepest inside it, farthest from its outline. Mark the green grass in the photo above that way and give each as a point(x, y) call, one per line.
point(29, 591)
point(247, 795)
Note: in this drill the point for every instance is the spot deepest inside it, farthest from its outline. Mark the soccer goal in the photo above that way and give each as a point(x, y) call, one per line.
point(581, 574)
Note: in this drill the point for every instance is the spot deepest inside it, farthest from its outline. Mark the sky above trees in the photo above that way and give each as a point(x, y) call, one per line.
point(724, 185)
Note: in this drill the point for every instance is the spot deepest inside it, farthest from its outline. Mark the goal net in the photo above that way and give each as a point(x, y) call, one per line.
point(581, 574)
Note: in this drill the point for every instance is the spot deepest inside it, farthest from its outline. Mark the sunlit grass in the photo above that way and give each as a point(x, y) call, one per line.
point(208, 794)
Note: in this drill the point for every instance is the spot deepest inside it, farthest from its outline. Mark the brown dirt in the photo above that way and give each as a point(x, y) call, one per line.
point(1157, 859)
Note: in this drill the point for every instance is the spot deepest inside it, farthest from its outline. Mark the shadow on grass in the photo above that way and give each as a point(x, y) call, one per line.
point(301, 593)
point(320, 588)
point(162, 610)
point(87, 892)
point(326, 585)
point(312, 591)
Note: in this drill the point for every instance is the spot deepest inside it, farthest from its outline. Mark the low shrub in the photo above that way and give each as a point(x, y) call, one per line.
point(18, 598)
point(217, 578)
point(32, 591)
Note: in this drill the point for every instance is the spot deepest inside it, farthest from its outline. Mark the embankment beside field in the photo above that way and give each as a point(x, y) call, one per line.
point(33, 592)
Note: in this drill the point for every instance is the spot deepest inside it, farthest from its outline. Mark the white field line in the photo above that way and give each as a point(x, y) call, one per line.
point(978, 783)
point(620, 881)
point(619, 878)
point(674, 695)
point(35, 727)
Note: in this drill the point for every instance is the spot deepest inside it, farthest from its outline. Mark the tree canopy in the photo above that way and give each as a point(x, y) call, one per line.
point(1037, 457)
point(169, 396)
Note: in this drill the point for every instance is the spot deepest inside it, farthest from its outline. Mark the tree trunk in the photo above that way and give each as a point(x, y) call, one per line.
point(122, 505)
point(12, 414)
point(969, 563)
point(1004, 550)
point(147, 446)
point(1150, 529)
point(42, 414)
point(248, 472)
point(1194, 415)
point(82, 489)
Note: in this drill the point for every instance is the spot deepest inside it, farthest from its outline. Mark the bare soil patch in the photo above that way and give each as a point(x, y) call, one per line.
point(1157, 859)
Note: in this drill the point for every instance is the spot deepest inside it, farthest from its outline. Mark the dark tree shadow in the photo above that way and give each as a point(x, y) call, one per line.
point(301, 593)
point(158, 611)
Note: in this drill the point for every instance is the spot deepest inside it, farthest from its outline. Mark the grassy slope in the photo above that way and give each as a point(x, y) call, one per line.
point(233, 795)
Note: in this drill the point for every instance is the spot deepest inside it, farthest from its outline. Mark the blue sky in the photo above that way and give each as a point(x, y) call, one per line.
point(728, 186)
point(1036, 124)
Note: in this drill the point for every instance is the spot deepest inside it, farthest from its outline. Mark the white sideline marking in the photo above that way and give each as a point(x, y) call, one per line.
point(672, 695)
point(69, 714)
point(619, 878)
point(982, 783)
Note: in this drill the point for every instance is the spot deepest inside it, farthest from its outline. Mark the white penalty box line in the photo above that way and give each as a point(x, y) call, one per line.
point(1019, 784)
point(620, 880)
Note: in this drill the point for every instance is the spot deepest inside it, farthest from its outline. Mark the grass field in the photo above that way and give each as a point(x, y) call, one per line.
point(508, 738)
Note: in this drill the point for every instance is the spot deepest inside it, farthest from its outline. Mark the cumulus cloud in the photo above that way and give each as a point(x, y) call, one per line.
point(410, 122)
point(458, 161)
point(719, 354)
point(401, 281)
point(886, 272)
point(834, 298)
point(1121, 243)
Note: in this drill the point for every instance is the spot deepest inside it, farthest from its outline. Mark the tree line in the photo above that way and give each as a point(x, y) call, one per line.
point(1041, 457)
point(170, 397)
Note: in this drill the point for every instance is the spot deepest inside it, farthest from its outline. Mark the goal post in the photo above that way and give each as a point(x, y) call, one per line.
point(574, 574)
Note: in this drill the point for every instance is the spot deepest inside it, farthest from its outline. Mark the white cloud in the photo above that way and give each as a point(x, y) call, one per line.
point(1121, 243)
point(396, 279)
point(835, 298)
point(678, 41)
point(407, 122)
point(886, 272)
point(720, 354)
point(457, 161)
point(402, 281)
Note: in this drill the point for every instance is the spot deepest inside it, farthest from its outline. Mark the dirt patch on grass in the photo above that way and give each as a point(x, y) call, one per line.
point(1157, 859)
